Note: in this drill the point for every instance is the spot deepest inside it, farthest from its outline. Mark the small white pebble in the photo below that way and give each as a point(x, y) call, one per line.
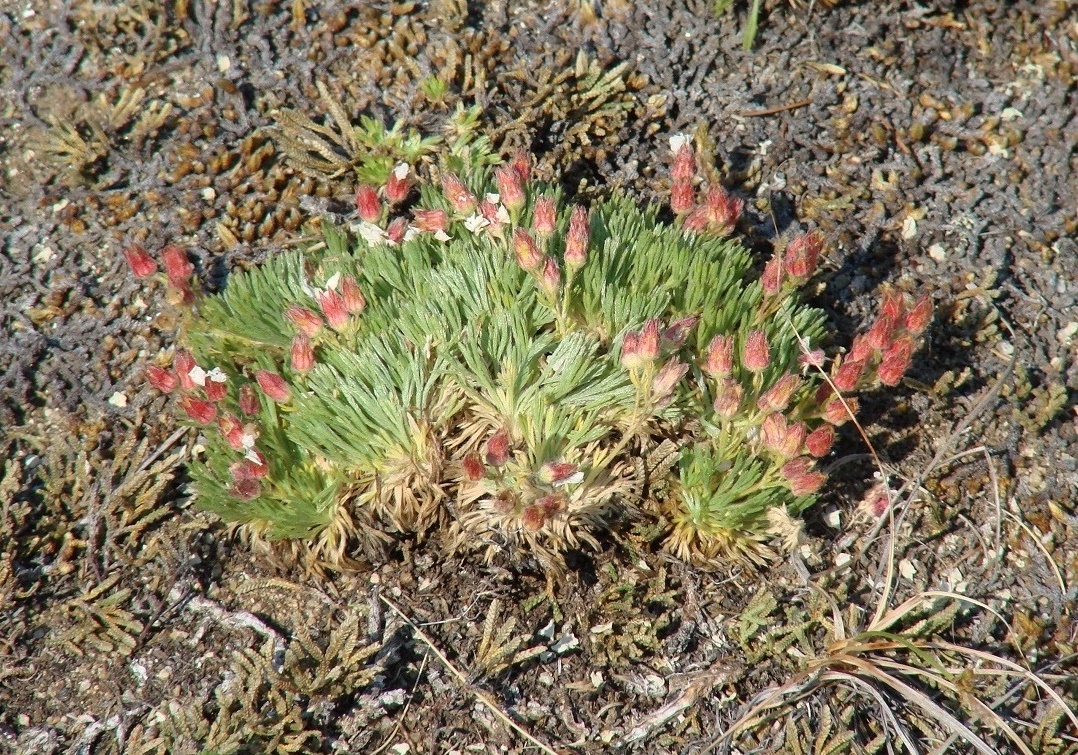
point(842, 559)
point(909, 228)
point(937, 252)
point(833, 519)
point(209, 194)
point(1010, 114)
point(223, 63)
point(118, 399)
point(907, 569)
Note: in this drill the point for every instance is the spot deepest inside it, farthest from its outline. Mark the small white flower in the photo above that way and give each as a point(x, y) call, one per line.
point(197, 375)
point(441, 236)
point(411, 233)
point(493, 198)
point(677, 141)
point(401, 171)
point(247, 442)
point(502, 215)
point(476, 223)
point(331, 284)
point(217, 376)
point(371, 233)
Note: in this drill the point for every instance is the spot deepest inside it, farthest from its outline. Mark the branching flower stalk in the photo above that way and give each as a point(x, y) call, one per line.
point(472, 355)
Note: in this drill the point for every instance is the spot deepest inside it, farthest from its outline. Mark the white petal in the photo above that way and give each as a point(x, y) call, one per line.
point(217, 376)
point(493, 198)
point(197, 375)
point(677, 141)
point(331, 284)
point(401, 171)
point(441, 235)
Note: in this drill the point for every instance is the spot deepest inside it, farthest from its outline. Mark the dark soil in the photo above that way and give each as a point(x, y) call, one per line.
point(933, 144)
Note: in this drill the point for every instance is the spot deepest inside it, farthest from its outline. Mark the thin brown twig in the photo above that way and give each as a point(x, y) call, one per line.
point(775, 110)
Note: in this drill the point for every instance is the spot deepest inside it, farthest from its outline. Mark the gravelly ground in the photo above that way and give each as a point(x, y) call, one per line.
point(935, 147)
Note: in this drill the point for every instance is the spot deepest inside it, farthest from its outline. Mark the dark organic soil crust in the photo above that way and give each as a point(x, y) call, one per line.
point(935, 147)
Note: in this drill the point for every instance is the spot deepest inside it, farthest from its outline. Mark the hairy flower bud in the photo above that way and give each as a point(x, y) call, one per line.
point(557, 472)
point(184, 363)
point(544, 216)
point(498, 449)
point(919, 316)
point(674, 337)
point(368, 205)
point(202, 412)
point(682, 197)
point(836, 411)
point(684, 163)
point(771, 279)
point(142, 264)
point(461, 199)
point(273, 385)
point(860, 350)
point(178, 267)
point(848, 375)
point(533, 518)
point(550, 280)
point(473, 467)
point(893, 305)
point(756, 355)
point(333, 307)
point(307, 320)
point(506, 502)
point(794, 441)
point(819, 441)
point(215, 385)
point(528, 254)
point(162, 379)
point(510, 187)
point(879, 335)
point(232, 430)
point(802, 477)
point(668, 377)
point(650, 339)
point(896, 360)
point(576, 240)
point(521, 164)
point(396, 230)
point(728, 397)
point(720, 357)
point(630, 348)
point(354, 301)
point(397, 186)
point(778, 396)
point(431, 221)
point(552, 504)
point(248, 400)
point(246, 489)
point(802, 255)
point(723, 211)
point(773, 431)
point(302, 353)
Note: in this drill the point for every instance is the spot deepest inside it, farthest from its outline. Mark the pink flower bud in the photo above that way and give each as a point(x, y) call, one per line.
point(802, 254)
point(723, 211)
point(273, 385)
point(684, 163)
point(552, 504)
point(249, 469)
point(771, 280)
point(669, 376)
point(576, 240)
point(728, 397)
point(893, 305)
point(460, 197)
point(142, 264)
point(354, 300)
point(521, 163)
point(510, 187)
point(650, 338)
point(396, 230)
point(630, 348)
point(756, 355)
point(431, 221)
point(674, 337)
point(815, 358)
point(161, 379)
point(202, 412)
point(555, 472)
point(397, 186)
point(879, 335)
point(489, 211)
point(778, 396)
point(533, 518)
point(177, 266)
point(876, 501)
point(697, 221)
point(302, 353)
point(248, 401)
point(860, 351)
point(505, 503)
point(836, 411)
point(917, 319)
point(333, 307)
point(802, 477)
point(528, 254)
point(232, 430)
point(544, 216)
point(473, 467)
point(848, 375)
point(368, 204)
point(183, 363)
point(773, 431)
point(551, 278)
point(215, 389)
point(498, 449)
point(720, 357)
point(682, 197)
point(246, 489)
point(794, 440)
point(307, 320)
point(819, 441)
point(896, 360)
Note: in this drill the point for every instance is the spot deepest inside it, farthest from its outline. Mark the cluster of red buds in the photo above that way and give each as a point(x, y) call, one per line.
point(792, 268)
point(650, 355)
point(546, 499)
point(885, 352)
point(339, 301)
point(719, 211)
point(179, 272)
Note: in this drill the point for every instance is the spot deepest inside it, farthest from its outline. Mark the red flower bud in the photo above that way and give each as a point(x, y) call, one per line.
point(510, 187)
point(802, 477)
point(860, 351)
point(333, 307)
point(669, 376)
point(528, 254)
point(505, 503)
point(306, 320)
point(697, 221)
point(802, 254)
point(177, 266)
point(396, 230)
point(630, 348)
point(142, 264)
point(215, 389)
point(354, 300)
point(555, 472)
point(879, 335)
point(893, 305)
point(498, 449)
point(232, 430)
point(778, 396)
point(728, 397)
point(684, 163)
point(682, 197)
point(814, 358)
point(896, 360)
point(552, 504)
point(273, 385)
point(249, 469)
point(576, 240)
point(460, 197)
point(368, 204)
point(246, 489)
point(431, 221)
point(771, 280)
point(917, 319)
point(521, 164)
point(723, 210)
point(720, 357)
point(773, 431)
point(302, 353)
point(848, 375)
point(161, 379)
point(819, 441)
point(544, 216)
point(202, 412)
point(184, 363)
point(674, 337)
point(397, 186)
point(533, 518)
point(248, 401)
point(756, 355)
point(794, 440)
point(650, 339)
point(551, 278)
point(473, 467)
point(836, 411)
